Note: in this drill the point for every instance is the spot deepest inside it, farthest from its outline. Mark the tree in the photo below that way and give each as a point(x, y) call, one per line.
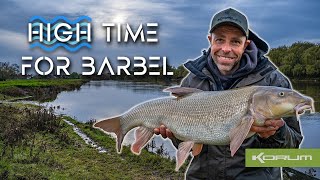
point(301, 59)
point(74, 75)
point(286, 69)
point(298, 70)
point(276, 55)
point(180, 72)
point(311, 71)
point(8, 71)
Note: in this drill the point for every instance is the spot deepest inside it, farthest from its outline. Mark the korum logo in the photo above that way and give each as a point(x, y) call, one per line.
point(262, 157)
point(282, 157)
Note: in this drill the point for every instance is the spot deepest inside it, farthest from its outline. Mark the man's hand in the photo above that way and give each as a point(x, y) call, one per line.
point(165, 133)
point(270, 127)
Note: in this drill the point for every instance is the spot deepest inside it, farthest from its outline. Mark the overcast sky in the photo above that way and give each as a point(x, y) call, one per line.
point(182, 31)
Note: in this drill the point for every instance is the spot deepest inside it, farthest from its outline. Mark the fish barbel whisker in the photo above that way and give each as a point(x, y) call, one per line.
point(300, 108)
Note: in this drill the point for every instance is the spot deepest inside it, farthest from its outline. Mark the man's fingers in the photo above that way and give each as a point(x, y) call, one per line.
point(156, 131)
point(280, 123)
point(263, 129)
point(276, 122)
point(169, 133)
point(163, 131)
point(270, 128)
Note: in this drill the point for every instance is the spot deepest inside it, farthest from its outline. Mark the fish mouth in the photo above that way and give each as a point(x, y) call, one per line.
point(300, 108)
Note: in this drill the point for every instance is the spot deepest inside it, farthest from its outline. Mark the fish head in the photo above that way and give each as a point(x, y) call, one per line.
point(277, 102)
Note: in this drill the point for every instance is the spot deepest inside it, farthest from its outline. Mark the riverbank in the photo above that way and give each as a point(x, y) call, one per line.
point(36, 144)
point(37, 89)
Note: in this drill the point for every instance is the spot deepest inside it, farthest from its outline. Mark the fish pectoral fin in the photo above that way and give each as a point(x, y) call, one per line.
point(183, 153)
point(238, 134)
point(180, 92)
point(196, 149)
point(142, 137)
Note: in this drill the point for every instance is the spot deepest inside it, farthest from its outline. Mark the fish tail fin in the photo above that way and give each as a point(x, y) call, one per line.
point(112, 125)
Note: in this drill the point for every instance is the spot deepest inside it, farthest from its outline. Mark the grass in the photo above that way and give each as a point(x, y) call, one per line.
point(58, 153)
point(147, 165)
point(38, 82)
point(4, 97)
point(40, 89)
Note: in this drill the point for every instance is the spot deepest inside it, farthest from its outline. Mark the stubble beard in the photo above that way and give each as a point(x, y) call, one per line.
point(227, 69)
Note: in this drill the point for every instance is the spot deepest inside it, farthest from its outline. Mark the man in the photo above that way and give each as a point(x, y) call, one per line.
point(236, 59)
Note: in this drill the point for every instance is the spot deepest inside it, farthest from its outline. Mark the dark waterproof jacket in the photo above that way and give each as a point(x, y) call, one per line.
point(215, 162)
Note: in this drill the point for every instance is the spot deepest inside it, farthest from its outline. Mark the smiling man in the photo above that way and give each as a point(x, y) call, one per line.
point(236, 58)
point(227, 46)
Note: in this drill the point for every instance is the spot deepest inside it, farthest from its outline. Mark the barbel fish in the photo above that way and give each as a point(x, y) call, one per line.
point(206, 117)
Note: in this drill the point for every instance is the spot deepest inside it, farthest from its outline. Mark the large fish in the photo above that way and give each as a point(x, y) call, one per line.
point(206, 117)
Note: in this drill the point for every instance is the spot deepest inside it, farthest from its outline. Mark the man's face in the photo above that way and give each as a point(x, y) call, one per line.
point(227, 46)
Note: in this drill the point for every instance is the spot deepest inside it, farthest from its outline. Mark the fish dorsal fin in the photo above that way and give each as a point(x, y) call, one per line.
point(180, 92)
point(239, 133)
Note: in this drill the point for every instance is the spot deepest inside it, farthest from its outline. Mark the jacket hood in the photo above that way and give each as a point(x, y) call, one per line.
point(260, 43)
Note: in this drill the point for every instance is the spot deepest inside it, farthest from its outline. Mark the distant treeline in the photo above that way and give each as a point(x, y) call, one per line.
point(11, 71)
point(300, 60)
point(178, 74)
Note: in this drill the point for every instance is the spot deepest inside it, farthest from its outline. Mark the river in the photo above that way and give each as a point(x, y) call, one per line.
point(102, 99)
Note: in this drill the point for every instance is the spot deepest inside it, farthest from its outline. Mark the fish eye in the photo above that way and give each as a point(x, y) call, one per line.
point(281, 94)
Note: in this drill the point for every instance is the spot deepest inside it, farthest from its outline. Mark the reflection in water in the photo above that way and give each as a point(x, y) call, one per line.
point(102, 99)
point(138, 87)
point(310, 125)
